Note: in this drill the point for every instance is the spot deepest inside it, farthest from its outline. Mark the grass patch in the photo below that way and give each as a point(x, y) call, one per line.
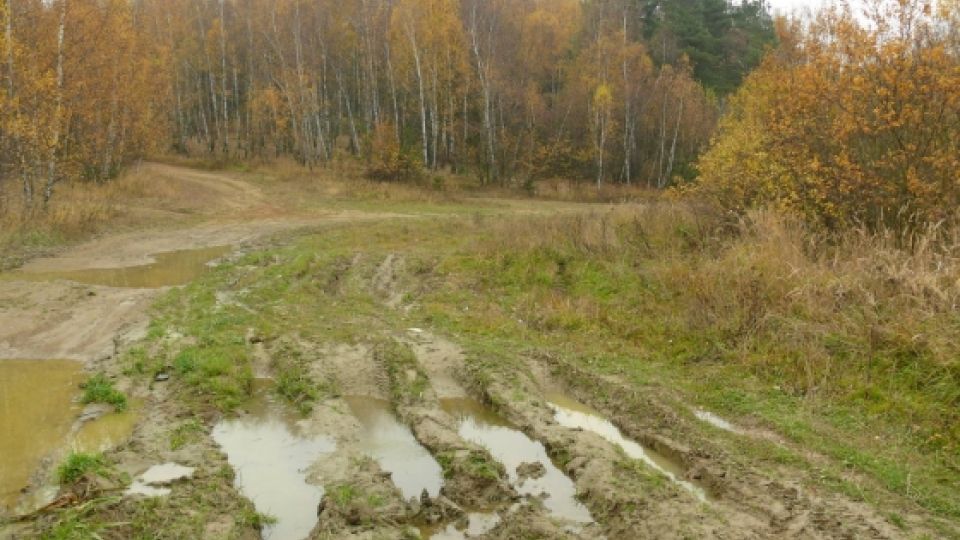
point(343, 494)
point(78, 464)
point(257, 520)
point(846, 346)
point(100, 389)
point(293, 380)
point(211, 355)
point(185, 433)
point(408, 382)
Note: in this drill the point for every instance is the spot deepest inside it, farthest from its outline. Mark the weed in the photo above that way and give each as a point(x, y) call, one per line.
point(77, 464)
point(79, 523)
point(136, 360)
point(249, 517)
point(897, 520)
point(408, 382)
point(185, 433)
point(294, 382)
point(343, 494)
point(99, 389)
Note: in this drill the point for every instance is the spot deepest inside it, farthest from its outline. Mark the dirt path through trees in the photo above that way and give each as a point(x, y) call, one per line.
point(45, 313)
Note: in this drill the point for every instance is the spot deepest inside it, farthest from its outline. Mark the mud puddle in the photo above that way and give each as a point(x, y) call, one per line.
point(512, 448)
point(38, 426)
point(570, 413)
point(107, 431)
point(476, 524)
point(154, 481)
point(393, 446)
point(169, 268)
point(36, 414)
point(271, 456)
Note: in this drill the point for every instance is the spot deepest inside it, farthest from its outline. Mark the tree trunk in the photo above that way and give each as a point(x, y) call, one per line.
point(223, 81)
point(673, 145)
point(423, 106)
point(52, 173)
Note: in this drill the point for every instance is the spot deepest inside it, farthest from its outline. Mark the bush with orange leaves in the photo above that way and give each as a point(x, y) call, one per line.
point(854, 119)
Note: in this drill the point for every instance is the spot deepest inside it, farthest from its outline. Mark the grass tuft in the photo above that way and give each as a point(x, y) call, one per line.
point(78, 464)
point(99, 389)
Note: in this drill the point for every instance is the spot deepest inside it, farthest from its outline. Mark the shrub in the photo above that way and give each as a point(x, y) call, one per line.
point(388, 162)
point(846, 123)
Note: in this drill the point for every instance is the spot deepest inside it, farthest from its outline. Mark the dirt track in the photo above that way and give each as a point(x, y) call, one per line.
point(58, 319)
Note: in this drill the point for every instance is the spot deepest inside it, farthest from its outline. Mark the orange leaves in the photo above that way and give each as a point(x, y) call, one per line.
point(864, 125)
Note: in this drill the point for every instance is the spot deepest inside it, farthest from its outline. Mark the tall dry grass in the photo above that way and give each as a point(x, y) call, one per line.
point(76, 211)
point(865, 318)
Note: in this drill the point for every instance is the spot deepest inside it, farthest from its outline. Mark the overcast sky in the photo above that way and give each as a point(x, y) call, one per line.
point(788, 6)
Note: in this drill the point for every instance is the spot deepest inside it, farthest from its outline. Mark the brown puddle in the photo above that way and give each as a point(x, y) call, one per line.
point(393, 446)
point(107, 431)
point(36, 414)
point(155, 481)
point(571, 413)
point(271, 455)
point(511, 447)
point(37, 417)
point(168, 269)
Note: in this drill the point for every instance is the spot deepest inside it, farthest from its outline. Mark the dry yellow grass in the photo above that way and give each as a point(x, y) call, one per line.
point(867, 317)
point(848, 345)
point(76, 211)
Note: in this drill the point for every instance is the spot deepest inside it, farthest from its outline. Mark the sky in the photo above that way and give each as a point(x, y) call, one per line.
point(788, 6)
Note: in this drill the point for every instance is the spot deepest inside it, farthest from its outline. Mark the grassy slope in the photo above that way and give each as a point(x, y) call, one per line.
point(832, 347)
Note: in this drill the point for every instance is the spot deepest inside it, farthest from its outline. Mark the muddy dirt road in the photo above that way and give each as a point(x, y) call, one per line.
point(76, 304)
point(77, 308)
point(298, 394)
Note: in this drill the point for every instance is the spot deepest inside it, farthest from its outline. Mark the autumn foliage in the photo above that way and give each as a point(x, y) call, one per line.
point(78, 98)
point(854, 119)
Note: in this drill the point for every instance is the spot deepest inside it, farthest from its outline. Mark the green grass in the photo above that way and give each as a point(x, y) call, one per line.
point(294, 383)
point(185, 434)
point(408, 380)
point(343, 494)
point(99, 389)
point(79, 523)
point(759, 325)
point(78, 464)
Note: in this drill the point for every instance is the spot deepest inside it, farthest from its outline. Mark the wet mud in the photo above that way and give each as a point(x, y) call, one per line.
point(270, 455)
point(168, 269)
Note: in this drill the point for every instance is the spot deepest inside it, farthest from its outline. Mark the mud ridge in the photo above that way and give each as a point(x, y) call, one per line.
point(472, 477)
point(628, 499)
point(785, 506)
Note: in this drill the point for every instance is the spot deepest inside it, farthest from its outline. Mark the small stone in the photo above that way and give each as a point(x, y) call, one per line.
point(162, 377)
point(531, 469)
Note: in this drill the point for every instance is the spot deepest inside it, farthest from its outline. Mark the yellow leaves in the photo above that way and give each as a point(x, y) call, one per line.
point(602, 96)
point(863, 126)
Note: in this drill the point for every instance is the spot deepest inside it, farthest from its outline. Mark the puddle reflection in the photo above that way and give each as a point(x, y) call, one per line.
point(393, 446)
point(573, 414)
point(512, 447)
point(168, 269)
point(271, 457)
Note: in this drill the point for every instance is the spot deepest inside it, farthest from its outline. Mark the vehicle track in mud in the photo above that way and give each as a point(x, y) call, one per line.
point(411, 376)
